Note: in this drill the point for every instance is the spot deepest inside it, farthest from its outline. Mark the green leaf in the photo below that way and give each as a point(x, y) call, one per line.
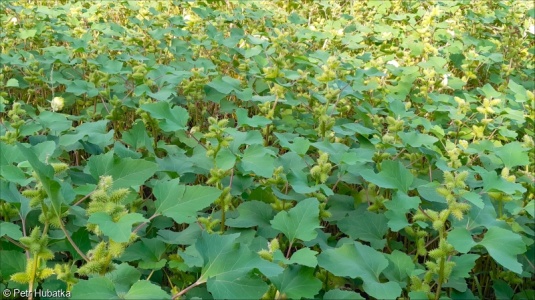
point(225, 159)
point(297, 282)
point(463, 265)
point(12, 262)
point(299, 222)
point(227, 267)
point(15, 174)
point(502, 290)
point(305, 257)
point(94, 288)
point(300, 145)
point(494, 182)
point(148, 251)
point(144, 289)
point(11, 230)
point(117, 231)
point(337, 294)
point(255, 121)
point(225, 85)
point(182, 202)
point(27, 33)
point(54, 121)
point(400, 267)
point(258, 160)
point(398, 208)
point(504, 246)
point(365, 226)
point(461, 239)
point(79, 87)
point(46, 176)
point(254, 213)
point(519, 92)
point(173, 119)
point(393, 175)
point(123, 276)
point(474, 198)
point(357, 260)
point(237, 288)
point(137, 137)
point(489, 91)
point(512, 155)
point(530, 208)
point(126, 172)
point(416, 139)
point(12, 83)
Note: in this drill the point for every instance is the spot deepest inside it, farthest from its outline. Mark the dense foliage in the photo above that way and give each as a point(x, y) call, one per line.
point(268, 149)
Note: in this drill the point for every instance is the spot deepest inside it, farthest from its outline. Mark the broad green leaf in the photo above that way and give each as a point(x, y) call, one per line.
point(137, 137)
point(300, 145)
point(45, 173)
point(398, 207)
point(94, 288)
point(11, 230)
point(27, 33)
point(464, 265)
point(474, 198)
point(513, 154)
point(225, 85)
point(365, 226)
point(493, 182)
point(357, 260)
point(119, 231)
point(225, 261)
point(96, 133)
point(297, 282)
point(489, 91)
point(15, 174)
point(258, 160)
point(182, 203)
point(502, 290)
point(254, 121)
point(530, 208)
point(225, 159)
point(173, 118)
point(247, 287)
point(461, 239)
point(54, 121)
point(126, 172)
point(305, 257)
point(12, 262)
point(416, 139)
point(519, 92)
point(337, 294)
point(299, 222)
point(123, 276)
point(254, 213)
point(504, 246)
point(144, 289)
point(12, 83)
point(79, 87)
point(392, 176)
point(400, 267)
point(148, 251)
point(187, 236)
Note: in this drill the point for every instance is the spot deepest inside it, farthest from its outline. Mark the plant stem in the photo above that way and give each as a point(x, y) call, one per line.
point(289, 249)
point(440, 278)
point(144, 223)
point(32, 277)
point(182, 292)
point(67, 235)
point(441, 269)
